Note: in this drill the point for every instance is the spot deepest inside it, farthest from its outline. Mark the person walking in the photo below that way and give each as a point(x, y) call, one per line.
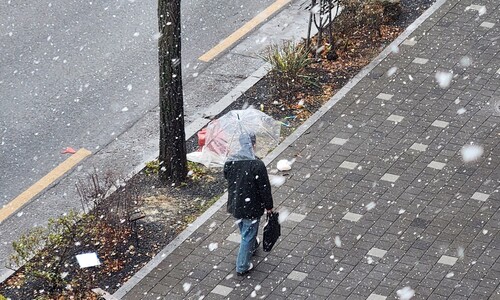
point(249, 196)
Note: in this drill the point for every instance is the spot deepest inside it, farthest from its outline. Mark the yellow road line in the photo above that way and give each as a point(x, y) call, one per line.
point(238, 34)
point(41, 184)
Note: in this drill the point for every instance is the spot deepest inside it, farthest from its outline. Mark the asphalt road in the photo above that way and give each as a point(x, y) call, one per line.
point(79, 73)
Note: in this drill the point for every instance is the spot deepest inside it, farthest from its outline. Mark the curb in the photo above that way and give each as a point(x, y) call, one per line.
point(144, 271)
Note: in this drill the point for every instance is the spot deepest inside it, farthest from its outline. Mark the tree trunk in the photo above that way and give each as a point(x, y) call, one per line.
point(172, 137)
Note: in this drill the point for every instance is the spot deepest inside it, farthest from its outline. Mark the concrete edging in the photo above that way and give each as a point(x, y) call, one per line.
point(233, 95)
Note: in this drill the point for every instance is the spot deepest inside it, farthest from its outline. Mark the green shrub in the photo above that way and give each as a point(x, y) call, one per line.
point(44, 252)
point(198, 171)
point(152, 167)
point(288, 59)
point(47, 254)
point(289, 62)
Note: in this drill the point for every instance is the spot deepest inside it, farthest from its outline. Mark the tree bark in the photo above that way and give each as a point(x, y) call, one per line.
point(172, 156)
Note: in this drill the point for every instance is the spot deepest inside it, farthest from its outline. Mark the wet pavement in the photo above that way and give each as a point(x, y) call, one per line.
point(382, 201)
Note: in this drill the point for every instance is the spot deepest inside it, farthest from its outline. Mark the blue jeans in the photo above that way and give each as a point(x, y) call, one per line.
point(248, 231)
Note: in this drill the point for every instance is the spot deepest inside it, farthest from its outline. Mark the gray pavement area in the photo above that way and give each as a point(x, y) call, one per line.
point(219, 82)
point(380, 202)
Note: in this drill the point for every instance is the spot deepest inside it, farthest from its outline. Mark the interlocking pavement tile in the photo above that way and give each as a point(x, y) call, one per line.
point(487, 25)
point(297, 276)
point(377, 252)
point(348, 165)
point(294, 217)
point(389, 177)
point(476, 7)
point(376, 297)
point(338, 141)
point(395, 118)
point(384, 96)
point(436, 165)
point(420, 223)
point(420, 61)
point(418, 147)
point(410, 42)
point(234, 237)
point(222, 290)
point(447, 260)
point(441, 124)
point(480, 196)
point(352, 217)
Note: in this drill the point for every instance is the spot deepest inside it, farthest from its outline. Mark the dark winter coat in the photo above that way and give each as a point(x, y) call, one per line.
point(249, 190)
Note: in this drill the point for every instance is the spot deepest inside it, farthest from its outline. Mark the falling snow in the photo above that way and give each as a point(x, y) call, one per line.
point(471, 153)
point(277, 180)
point(405, 293)
point(213, 246)
point(284, 213)
point(443, 79)
point(391, 71)
point(370, 206)
point(338, 242)
point(465, 61)
point(186, 286)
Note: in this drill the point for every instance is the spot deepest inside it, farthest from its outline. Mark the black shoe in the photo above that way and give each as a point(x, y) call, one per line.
point(245, 272)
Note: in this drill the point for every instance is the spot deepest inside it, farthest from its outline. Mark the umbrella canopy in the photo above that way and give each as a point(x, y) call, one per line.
point(241, 135)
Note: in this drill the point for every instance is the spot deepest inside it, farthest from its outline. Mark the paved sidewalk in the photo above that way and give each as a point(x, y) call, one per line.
point(379, 196)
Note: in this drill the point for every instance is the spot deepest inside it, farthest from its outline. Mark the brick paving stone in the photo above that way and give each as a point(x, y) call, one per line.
point(352, 217)
point(374, 296)
point(420, 61)
point(395, 118)
point(480, 196)
point(419, 147)
point(348, 165)
point(384, 96)
point(436, 165)
point(389, 177)
point(222, 290)
point(377, 252)
point(440, 123)
point(338, 141)
point(487, 24)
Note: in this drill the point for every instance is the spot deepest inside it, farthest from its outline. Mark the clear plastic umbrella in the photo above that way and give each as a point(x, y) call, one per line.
point(241, 135)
